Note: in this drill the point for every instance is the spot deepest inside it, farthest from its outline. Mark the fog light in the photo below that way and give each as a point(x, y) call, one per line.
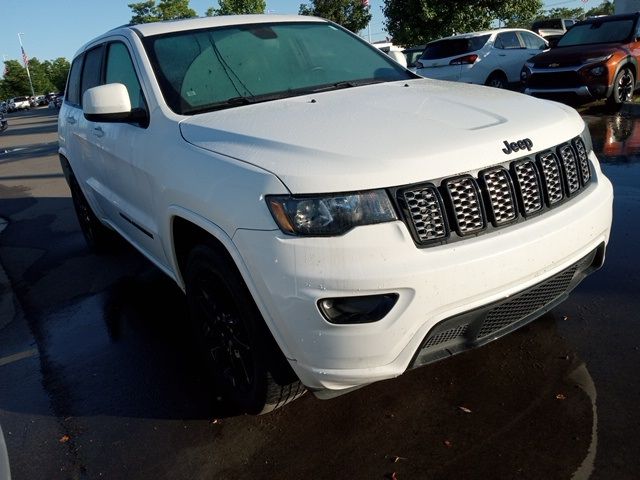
point(597, 71)
point(351, 310)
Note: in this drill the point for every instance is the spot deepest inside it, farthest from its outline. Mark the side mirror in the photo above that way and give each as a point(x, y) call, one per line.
point(111, 103)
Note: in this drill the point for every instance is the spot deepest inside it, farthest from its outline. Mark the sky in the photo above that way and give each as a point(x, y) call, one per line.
point(57, 29)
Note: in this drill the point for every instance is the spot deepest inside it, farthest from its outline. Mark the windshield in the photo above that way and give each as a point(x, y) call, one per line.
point(453, 46)
point(597, 32)
point(202, 70)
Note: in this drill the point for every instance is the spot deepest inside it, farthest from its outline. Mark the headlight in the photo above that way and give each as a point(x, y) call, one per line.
point(597, 71)
point(598, 59)
point(327, 215)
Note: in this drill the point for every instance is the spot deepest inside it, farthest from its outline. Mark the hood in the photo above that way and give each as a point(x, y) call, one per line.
point(574, 56)
point(381, 135)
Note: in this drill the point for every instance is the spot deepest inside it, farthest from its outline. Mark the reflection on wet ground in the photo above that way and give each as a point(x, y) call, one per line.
point(616, 137)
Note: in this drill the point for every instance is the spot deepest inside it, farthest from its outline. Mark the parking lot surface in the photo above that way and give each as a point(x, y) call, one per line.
point(98, 378)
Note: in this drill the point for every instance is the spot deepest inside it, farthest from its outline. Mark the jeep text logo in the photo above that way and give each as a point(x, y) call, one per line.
point(516, 146)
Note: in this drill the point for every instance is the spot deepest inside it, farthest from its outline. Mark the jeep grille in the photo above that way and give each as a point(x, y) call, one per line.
point(461, 206)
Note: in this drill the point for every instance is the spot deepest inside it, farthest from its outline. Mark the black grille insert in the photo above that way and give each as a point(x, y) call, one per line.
point(457, 207)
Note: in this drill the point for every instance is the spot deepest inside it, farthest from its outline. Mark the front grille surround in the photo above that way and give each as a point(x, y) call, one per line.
point(461, 206)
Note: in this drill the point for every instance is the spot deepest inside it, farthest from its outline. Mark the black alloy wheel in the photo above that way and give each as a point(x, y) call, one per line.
point(244, 361)
point(623, 87)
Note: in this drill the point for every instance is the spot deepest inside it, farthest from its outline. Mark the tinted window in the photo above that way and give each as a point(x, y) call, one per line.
point(569, 23)
point(91, 69)
point(553, 23)
point(508, 40)
point(531, 41)
point(452, 47)
point(73, 83)
point(120, 69)
point(597, 32)
point(224, 67)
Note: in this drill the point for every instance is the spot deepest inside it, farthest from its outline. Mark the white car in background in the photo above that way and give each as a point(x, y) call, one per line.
point(493, 57)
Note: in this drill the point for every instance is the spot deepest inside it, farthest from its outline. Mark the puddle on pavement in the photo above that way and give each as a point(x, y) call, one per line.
point(616, 138)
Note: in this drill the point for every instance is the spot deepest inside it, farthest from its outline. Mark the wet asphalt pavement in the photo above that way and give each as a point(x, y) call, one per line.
point(98, 378)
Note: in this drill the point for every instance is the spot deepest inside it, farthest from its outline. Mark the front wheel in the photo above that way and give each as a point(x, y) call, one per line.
point(245, 363)
point(623, 87)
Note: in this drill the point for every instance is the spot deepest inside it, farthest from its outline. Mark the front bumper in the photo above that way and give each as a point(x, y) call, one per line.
point(289, 275)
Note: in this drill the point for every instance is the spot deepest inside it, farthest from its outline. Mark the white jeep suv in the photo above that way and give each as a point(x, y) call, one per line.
point(333, 218)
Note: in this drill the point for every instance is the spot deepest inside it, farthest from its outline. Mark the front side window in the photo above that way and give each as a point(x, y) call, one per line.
point(224, 67)
point(508, 41)
point(531, 41)
point(119, 69)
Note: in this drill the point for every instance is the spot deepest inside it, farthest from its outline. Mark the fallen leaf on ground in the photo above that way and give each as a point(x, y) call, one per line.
point(447, 443)
point(396, 459)
point(64, 439)
point(215, 421)
point(561, 396)
point(464, 409)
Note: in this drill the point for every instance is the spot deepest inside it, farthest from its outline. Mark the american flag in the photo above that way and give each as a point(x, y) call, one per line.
point(25, 59)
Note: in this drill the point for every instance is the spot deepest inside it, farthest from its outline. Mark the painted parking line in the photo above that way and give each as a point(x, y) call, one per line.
point(17, 356)
point(5, 472)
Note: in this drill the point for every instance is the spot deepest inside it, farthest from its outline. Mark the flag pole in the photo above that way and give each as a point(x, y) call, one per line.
point(25, 59)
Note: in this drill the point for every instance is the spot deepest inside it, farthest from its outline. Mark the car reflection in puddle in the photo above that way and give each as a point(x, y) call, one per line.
point(616, 138)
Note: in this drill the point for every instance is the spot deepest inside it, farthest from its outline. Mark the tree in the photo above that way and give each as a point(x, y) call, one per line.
point(605, 8)
point(413, 22)
point(237, 7)
point(57, 72)
point(15, 81)
point(353, 15)
point(148, 11)
point(46, 77)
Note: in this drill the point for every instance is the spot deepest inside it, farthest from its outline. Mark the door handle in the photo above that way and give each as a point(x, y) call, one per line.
point(71, 120)
point(98, 132)
point(502, 54)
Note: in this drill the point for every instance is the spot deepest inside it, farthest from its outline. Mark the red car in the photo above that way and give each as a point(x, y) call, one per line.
point(597, 58)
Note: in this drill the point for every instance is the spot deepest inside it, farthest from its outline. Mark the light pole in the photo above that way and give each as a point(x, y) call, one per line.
point(26, 64)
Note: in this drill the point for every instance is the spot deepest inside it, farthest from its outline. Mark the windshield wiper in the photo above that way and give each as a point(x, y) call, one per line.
point(345, 84)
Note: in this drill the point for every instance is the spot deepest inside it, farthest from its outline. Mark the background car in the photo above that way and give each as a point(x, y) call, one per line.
point(552, 26)
point(493, 57)
point(412, 54)
point(598, 58)
point(393, 51)
point(19, 103)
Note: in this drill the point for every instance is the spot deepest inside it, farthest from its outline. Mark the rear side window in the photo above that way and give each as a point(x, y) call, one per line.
point(508, 41)
point(91, 69)
point(73, 84)
point(452, 47)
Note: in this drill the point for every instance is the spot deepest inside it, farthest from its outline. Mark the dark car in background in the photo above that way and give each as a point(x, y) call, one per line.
point(597, 58)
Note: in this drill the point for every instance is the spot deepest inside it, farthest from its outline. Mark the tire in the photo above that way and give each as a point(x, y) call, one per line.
point(496, 80)
point(245, 363)
point(99, 238)
point(623, 87)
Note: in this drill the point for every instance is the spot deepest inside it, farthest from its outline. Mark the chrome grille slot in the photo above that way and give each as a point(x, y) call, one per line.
point(551, 177)
point(466, 203)
point(501, 205)
point(583, 160)
point(424, 207)
point(527, 178)
point(570, 169)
